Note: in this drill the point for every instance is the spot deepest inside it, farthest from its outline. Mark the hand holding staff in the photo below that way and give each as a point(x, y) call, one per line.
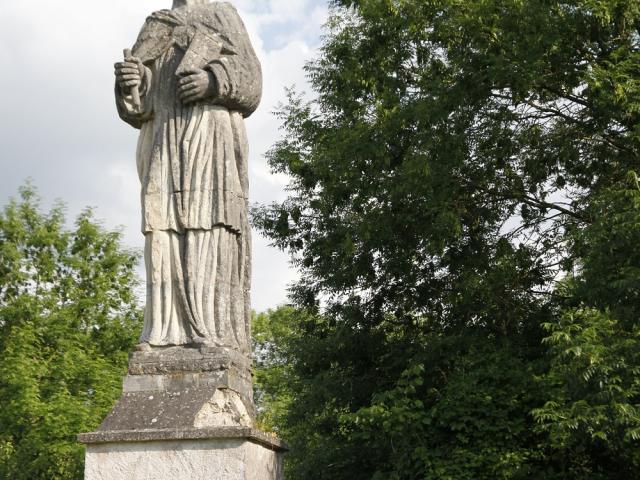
point(129, 75)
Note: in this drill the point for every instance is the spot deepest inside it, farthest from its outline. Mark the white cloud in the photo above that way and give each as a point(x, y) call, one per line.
point(59, 125)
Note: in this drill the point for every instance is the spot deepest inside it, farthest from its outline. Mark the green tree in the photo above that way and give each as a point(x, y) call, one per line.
point(272, 331)
point(593, 410)
point(68, 318)
point(460, 205)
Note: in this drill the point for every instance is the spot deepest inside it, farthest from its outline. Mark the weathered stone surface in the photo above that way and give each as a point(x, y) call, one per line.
point(227, 453)
point(161, 361)
point(154, 435)
point(177, 382)
point(201, 407)
point(211, 459)
point(184, 388)
point(187, 410)
point(188, 83)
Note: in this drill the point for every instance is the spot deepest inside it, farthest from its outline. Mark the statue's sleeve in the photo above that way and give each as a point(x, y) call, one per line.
point(237, 71)
point(128, 112)
point(153, 39)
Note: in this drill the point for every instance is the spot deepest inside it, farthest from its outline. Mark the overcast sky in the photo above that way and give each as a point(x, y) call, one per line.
point(60, 128)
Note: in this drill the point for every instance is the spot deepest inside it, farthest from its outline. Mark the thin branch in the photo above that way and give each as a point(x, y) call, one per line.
point(534, 202)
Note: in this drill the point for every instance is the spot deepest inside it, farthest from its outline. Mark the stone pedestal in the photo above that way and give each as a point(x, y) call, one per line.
point(185, 413)
point(226, 453)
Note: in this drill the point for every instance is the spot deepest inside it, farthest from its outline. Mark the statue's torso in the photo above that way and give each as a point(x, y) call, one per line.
point(178, 42)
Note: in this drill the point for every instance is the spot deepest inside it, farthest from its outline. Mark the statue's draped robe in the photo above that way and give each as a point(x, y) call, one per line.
point(192, 162)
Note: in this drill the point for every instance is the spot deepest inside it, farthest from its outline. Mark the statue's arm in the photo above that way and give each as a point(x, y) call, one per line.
point(237, 72)
point(126, 81)
point(136, 71)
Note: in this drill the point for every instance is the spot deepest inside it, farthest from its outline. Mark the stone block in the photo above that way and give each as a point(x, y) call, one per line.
point(198, 454)
point(178, 388)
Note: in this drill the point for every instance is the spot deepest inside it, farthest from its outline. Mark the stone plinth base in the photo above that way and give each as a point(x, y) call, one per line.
point(185, 414)
point(228, 453)
point(180, 388)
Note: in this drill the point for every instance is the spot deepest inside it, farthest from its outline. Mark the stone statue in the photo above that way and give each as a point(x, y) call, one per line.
point(188, 83)
point(187, 409)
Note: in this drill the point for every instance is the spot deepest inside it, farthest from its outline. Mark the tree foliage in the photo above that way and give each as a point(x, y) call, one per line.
point(68, 318)
point(593, 405)
point(463, 205)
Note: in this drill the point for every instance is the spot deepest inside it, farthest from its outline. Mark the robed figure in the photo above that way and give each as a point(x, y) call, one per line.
point(188, 84)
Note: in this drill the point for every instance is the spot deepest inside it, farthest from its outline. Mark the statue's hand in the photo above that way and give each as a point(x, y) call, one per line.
point(195, 86)
point(129, 74)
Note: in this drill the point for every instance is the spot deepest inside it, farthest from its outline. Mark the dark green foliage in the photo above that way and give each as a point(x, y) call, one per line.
point(463, 205)
point(398, 401)
point(593, 406)
point(68, 318)
point(592, 412)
